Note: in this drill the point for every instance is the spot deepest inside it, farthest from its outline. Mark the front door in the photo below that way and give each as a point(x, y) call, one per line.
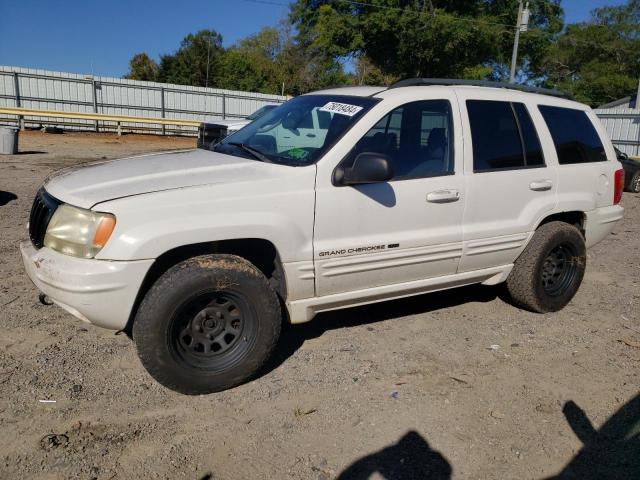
point(408, 228)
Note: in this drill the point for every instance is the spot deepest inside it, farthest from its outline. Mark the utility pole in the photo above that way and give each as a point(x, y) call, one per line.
point(206, 82)
point(521, 26)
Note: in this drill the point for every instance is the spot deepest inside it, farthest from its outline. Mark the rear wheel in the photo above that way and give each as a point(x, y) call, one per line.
point(208, 324)
point(549, 271)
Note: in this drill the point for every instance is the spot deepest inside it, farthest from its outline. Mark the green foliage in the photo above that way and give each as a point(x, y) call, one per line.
point(142, 67)
point(387, 40)
point(368, 74)
point(426, 38)
point(197, 61)
point(258, 63)
point(598, 61)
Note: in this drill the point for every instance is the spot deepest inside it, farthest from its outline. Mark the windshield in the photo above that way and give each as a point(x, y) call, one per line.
point(299, 131)
point(261, 111)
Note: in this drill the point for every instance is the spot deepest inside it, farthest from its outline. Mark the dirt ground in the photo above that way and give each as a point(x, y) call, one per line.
point(450, 385)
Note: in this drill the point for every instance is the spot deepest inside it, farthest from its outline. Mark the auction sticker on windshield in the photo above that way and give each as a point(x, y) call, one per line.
point(341, 108)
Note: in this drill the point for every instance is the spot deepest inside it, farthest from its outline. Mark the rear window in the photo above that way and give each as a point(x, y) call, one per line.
point(503, 136)
point(574, 136)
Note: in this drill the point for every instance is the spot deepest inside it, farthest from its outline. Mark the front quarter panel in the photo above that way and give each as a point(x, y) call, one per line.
point(278, 208)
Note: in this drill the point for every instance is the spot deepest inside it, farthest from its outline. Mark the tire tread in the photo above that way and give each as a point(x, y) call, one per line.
point(521, 283)
point(147, 345)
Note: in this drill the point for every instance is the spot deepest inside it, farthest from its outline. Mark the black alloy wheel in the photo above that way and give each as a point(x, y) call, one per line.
point(559, 269)
point(213, 329)
point(207, 324)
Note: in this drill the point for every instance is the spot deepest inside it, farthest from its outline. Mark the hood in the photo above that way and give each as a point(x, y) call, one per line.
point(93, 183)
point(230, 124)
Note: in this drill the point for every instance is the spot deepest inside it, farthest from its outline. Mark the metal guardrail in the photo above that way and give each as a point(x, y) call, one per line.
point(46, 90)
point(118, 119)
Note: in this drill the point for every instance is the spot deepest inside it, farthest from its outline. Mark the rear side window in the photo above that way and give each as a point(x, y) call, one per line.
point(307, 121)
point(531, 143)
point(574, 136)
point(324, 120)
point(503, 136)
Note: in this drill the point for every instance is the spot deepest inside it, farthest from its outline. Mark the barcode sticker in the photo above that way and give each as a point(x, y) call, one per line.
point(341, 108)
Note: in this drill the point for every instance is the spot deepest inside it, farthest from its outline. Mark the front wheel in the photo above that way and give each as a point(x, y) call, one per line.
point(209, 323)
point(549, 271)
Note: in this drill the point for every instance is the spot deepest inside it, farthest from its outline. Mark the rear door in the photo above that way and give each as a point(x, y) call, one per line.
point(510, 182)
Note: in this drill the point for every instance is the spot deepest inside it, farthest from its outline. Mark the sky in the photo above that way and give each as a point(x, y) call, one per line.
point(99, 37)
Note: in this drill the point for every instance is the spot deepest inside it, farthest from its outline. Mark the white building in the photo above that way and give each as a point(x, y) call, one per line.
point(622, 121)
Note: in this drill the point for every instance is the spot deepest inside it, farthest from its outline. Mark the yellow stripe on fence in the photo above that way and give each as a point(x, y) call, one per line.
point(34, 112)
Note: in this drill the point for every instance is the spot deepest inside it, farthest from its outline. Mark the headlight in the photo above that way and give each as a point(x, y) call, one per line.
point(78, 232)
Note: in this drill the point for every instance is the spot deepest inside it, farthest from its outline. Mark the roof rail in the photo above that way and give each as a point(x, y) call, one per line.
point(416, 82)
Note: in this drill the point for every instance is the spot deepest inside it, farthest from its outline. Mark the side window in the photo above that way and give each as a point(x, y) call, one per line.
point(532, 148)
point(503, 136)
point(307, 121)
point(417, 137)
point(574, 136)
point(324, 120)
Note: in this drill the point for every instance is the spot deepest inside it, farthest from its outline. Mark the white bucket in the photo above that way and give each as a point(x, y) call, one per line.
point(8, 141)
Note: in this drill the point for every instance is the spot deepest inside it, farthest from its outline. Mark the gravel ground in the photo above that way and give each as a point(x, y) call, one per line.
point(403, 389)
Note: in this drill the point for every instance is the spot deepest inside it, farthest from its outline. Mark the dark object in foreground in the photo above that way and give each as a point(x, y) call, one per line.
point(613, 451)
point(6, 197)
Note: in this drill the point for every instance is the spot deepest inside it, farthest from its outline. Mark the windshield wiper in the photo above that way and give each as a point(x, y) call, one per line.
point(251, 151)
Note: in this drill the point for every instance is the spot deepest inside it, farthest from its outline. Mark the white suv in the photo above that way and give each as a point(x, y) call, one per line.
point(337, 198)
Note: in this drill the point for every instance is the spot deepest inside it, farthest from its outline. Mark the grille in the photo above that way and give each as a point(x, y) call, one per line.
point(42, 210)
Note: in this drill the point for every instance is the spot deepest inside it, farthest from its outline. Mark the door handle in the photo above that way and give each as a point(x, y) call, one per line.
point(541, 185)
point(311, 135)
point(443, 196)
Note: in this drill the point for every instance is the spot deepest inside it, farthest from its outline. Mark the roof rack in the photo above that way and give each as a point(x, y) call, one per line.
point(416, 82)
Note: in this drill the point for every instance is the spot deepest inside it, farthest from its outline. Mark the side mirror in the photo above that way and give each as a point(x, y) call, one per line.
point(367, 168)
point(622, 156)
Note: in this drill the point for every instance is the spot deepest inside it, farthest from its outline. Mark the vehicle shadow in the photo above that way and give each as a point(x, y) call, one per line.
point(31, 152)
point(294, 336)
point(410, 458)
point(6, 197)
point(611, 452)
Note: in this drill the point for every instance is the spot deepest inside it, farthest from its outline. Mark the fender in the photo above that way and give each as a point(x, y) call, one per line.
point(280, 210)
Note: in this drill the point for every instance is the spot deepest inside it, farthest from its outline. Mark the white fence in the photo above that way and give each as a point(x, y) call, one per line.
point(69, 92)
point(623, 126)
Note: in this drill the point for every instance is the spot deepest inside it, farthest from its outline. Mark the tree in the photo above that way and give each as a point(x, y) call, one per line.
point(142, 67)
point(197, 62)
point(366, 73)
point(598, 61)
point(434, 38)
point(263, 62)
point(250, 65)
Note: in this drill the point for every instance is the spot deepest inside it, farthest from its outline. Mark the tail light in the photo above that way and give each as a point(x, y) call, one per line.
point(618, 186)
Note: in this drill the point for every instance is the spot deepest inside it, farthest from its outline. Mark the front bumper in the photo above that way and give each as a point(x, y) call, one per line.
point(100, 292)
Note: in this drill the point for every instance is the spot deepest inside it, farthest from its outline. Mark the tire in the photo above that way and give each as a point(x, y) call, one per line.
point(549, 271)
point(634, 183)
point(207, 324)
